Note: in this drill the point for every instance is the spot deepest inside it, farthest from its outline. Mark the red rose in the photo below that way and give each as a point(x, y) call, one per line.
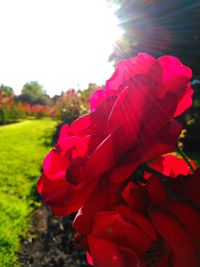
point(131, 122)
point(59, 188)
point(155, 225)
point(117, 241)
point(145, 95)
point(175, 215)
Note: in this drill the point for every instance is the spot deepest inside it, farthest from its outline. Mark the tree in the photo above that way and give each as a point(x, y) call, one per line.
point(33, 93)
point(160, 27)
point(6, 90)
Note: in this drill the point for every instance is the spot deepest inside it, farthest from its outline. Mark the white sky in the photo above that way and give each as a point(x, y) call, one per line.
point(59, 43)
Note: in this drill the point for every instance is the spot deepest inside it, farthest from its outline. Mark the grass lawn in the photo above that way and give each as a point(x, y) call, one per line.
point(22, 147)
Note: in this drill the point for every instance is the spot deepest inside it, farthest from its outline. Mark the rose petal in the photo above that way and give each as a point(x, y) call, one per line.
point(176, 238)
point(172, 66)
point(128, 68)
point(111, 226)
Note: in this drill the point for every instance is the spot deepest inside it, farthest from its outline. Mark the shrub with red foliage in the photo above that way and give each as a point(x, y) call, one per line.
point(12, 110)
point(6, 110)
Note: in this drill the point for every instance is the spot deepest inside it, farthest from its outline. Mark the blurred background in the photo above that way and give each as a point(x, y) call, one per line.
point(53, 55)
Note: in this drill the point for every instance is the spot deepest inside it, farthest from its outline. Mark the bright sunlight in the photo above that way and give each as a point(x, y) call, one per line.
point(61, 44)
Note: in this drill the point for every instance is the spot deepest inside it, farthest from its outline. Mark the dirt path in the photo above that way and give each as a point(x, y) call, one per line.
point(49, 243)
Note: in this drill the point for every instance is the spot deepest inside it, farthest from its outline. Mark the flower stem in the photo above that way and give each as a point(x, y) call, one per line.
point(180, 151)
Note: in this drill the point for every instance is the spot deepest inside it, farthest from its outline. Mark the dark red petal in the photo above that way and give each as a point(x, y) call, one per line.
point(180, 86)
point(63, 197)
point(111, 226)
point(176, 238)
point(190, 218)
point(105, 253)
point(121, 172)
point(130, 257)
point(157, 194)
point(155, 80)
point(138, 219)
point(185, 102)
point(166, 260)
point(128, 111)
point(103, 198)
point(135, 197)
point(177, 85)
point(102, 112)
point(157, 114)
point(163, 142)
point(105, 155)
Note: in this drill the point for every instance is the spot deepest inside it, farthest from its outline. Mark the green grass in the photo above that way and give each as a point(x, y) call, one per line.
point(22, 147)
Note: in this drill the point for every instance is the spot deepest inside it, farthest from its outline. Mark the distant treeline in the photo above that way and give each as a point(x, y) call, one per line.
point(34, 102)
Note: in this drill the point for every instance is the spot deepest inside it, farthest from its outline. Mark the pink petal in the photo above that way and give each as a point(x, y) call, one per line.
point(185, 102)
point(128, 68)
point(172, 66)
point(97, 98)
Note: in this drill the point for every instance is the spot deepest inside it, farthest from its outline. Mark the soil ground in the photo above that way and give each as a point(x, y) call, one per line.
point(50, 242)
